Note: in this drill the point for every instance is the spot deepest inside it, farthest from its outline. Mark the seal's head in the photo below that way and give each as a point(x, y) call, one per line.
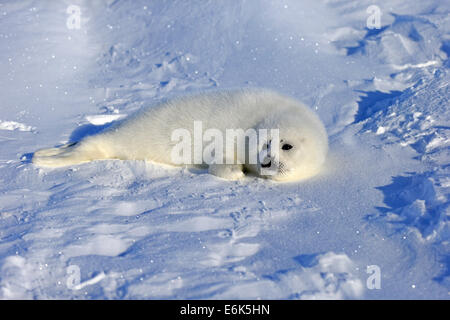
point(295, 150)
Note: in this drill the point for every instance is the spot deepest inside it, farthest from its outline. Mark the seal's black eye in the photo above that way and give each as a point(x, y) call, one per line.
point(286, 146)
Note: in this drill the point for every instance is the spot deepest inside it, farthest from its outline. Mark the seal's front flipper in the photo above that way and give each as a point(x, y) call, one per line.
point(227, 171)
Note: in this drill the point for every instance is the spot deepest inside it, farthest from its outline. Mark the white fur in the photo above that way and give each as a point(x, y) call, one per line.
point(147, 134)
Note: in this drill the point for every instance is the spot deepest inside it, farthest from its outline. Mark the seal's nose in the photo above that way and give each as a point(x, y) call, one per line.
point(266, 164)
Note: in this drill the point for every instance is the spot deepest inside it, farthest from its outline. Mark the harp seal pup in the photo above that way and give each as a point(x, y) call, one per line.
point(147, 135)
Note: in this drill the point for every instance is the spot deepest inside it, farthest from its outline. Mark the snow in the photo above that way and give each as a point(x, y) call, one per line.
point(136, 230)
point(13, 125)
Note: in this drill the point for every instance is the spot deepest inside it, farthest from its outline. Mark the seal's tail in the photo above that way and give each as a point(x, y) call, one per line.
point(65, 155)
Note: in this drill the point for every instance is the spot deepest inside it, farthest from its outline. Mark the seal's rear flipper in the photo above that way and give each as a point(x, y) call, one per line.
point(65, 155)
